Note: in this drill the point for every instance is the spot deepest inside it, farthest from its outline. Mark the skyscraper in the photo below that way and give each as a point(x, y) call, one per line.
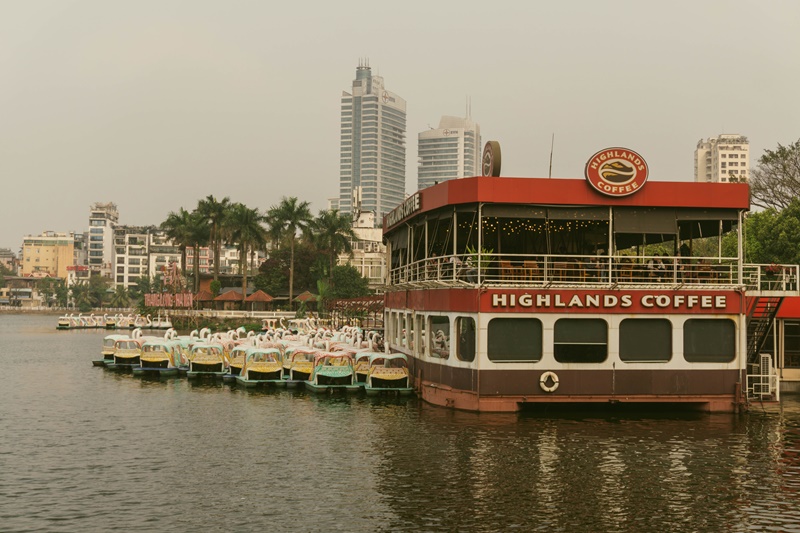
point(373, 147)
point(722, 159)
point(448, 152)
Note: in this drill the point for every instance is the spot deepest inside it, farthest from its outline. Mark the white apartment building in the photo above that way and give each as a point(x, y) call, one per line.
point(451, 151)
point(141, 251)
point(103, 218)
point(369, 252)
point(372, 166)
point(131, 259)
point(721, 159)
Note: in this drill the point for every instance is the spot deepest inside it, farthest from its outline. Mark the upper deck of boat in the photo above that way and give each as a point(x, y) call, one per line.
point(595, 272)
point(562, 233)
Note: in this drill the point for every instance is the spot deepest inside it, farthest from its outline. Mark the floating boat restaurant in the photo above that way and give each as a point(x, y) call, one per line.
point(505, 292)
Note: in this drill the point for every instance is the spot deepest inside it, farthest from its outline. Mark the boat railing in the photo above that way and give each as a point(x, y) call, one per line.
point(771, 277)
point(592, 270)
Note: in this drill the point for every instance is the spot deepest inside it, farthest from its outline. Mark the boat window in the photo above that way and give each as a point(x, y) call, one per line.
point(421, 333)
point(389, 327)
point(404, 330)
point(465, 351)
point(410, 330)
point(645, 340)
point(439, 327)
point(514, 339)
point(398, 329)
point(791, 344)
point(580, 340)
point(709, 340)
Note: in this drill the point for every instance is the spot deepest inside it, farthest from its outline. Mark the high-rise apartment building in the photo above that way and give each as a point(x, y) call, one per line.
point(451, 151)
point(372, 163)
point(724, 158)
point(103, 219)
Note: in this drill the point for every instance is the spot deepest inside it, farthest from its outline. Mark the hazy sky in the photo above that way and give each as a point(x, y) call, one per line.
point(156, 104)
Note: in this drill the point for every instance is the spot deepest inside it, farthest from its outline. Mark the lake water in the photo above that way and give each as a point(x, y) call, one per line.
point(86, 449)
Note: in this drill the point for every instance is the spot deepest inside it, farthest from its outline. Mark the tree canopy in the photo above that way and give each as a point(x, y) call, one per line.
point(347, 282)
point(775, 182)
point(772, 235)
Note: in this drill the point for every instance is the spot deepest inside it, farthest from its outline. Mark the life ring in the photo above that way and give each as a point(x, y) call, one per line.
point(543, 381)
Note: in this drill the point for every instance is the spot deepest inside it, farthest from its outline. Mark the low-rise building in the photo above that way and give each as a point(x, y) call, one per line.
point(48, 254)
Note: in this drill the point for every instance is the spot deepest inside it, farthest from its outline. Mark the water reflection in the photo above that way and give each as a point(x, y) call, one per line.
point(84, 448)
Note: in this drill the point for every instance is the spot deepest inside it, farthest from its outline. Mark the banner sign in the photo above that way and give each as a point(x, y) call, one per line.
point(165, 299)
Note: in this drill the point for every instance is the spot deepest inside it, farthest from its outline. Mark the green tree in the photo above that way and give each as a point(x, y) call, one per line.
point(273, 275)
point(333, 234)
point(348, 283)
point(120, 298)
point(98, 287)
point(771, 236)
point(198, 232)
point(244, 226)
point(81, 296)
point(215, 288)
point(775, 182)
point(142, 285)
point(47, 288)
point(62, 294)
point(214, 212)
point(286, 220)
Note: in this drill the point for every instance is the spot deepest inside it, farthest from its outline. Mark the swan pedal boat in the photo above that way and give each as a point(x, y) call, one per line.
point(159, 358)
point(108, 350)
point(388, 374)
point(127, 352)
point(207, 359)
point(332, 372)
point(301, 366)
point(236, 360)
point(262, 366)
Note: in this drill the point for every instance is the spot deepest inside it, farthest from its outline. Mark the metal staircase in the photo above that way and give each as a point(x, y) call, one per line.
point(760, 316)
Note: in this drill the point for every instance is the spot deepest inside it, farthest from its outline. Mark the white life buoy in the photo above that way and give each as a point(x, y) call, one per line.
point(543, 379)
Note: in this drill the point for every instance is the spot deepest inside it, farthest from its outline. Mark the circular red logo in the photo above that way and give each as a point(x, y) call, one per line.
point(616, 171)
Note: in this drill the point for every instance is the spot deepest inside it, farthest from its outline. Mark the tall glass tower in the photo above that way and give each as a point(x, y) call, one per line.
point(372, 164)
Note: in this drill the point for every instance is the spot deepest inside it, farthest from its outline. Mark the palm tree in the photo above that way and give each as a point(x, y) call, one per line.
point(215, 212)
point(81, 295)
point(285, 220)
point(177, 226)
point(244, 227)
point(198, 235)
point(333, 234)
point(120, 297)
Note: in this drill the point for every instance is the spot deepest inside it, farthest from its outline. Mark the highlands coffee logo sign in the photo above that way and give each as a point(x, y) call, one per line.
point(616, 171)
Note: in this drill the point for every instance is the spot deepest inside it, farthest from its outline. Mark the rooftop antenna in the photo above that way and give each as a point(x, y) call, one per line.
point(552, 142)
